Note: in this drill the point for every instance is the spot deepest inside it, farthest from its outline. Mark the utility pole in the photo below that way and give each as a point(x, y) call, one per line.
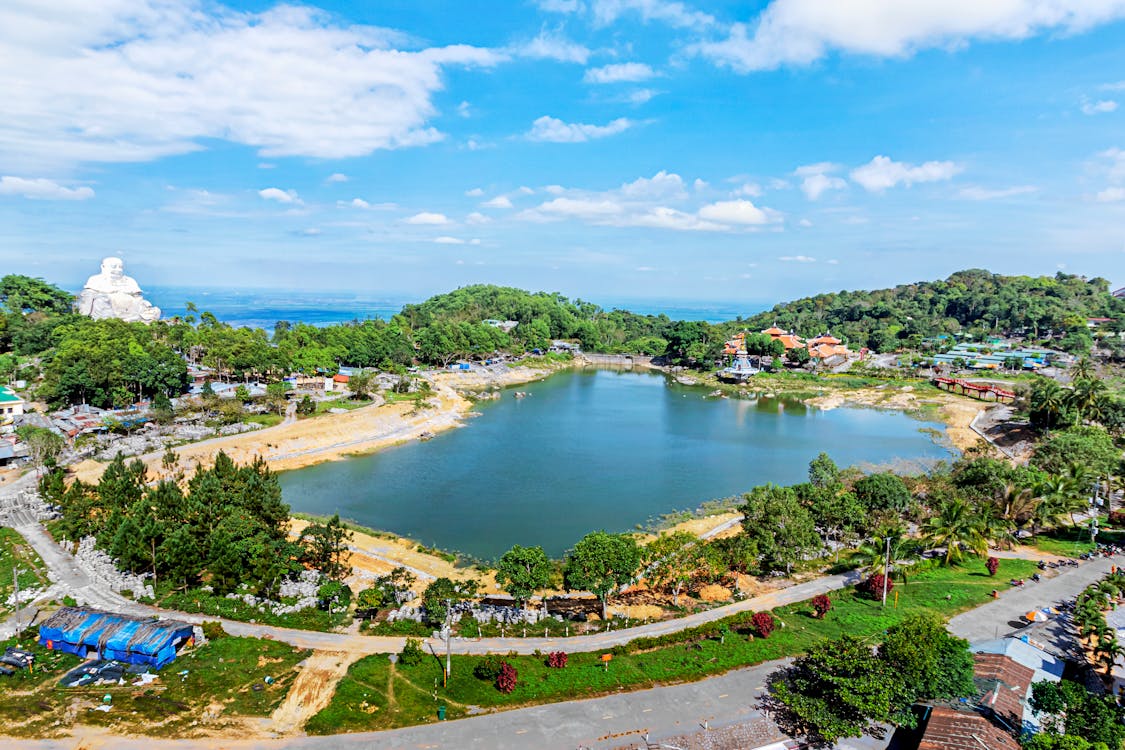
point(886, 572)
point(16, 583)
point(448, 632)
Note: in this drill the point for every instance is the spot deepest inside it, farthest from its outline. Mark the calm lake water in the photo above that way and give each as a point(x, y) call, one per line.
point(593, 449)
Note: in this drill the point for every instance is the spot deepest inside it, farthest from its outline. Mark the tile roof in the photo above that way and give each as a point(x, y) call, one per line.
point(963, 729)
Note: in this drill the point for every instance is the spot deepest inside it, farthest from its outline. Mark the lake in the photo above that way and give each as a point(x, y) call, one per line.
point(594, 449)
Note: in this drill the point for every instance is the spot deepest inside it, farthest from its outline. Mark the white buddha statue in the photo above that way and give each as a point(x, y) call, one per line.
point(112, 294)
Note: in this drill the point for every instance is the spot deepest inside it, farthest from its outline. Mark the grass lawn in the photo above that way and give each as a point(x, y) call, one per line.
point(32, 573)
point(203, 602)
point(374, 695)
point(269, 419)
point(343, 402)
point(221, 678)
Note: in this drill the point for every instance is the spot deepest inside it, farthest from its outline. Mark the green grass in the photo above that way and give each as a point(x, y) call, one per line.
point(362, 700)
point(222, 671)
point(398, 398)
point(269, 419)
point(32, 572)
point(343, 402)
point(203, 602)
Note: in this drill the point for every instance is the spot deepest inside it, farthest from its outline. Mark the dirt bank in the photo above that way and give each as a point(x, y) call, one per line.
point(956, 412)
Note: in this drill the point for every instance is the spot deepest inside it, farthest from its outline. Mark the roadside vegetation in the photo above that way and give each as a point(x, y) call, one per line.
point(15, 553)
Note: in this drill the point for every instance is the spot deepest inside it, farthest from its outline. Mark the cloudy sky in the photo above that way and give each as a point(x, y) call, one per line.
point(623, 148)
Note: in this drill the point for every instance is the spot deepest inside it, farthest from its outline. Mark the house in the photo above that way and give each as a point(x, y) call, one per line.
point(507, 326)
point(11, 405)
point(105, 635)
point(1003, 673)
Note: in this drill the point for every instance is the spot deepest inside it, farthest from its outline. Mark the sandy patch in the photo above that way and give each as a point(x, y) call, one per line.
point(312, 690)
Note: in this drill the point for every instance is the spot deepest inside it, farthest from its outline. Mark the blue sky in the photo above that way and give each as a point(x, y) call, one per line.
point(602, 148)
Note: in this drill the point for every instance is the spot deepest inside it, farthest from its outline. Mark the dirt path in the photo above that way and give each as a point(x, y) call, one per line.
point(312, 690)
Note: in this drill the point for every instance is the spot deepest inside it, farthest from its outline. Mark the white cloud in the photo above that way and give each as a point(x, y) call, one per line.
point(474, 193)
point(464, 109)
point(120, 81)
point(882, 173)
point(337, 177)
point(804, 223)
point(556, 131)
point(449, 241)
point(279, 195)
point(476, 217)
point(976, 193)
point(580, 208)
point(674, 14)
point(629, 72)
point(524, 190)
point(816, 179)
point(42, 189)
point(749, 190)
point(500, 201)
point(1111, 195)
point(310, 232)
point(738, 212)
point(799, 32)
point(1114, 165)
point(428, 218)
point(552, 46)
point(662, 185)
point(359, 203)
point(560, 6)
point(640, 96)
point(1116, 86)
point(1099, 107)
point(797, 259)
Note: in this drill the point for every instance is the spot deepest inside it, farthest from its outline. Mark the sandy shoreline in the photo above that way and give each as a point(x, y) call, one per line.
point(338, 436)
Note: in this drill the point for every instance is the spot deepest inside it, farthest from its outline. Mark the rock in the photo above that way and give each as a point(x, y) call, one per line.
point(714, 593)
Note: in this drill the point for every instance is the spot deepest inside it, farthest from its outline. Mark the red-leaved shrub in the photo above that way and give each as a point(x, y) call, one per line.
point(873, 586)
point(506, 680)
point(764, 623)
point(556, 659)
point(1117, 518)
point(993, 565)
point(821, 604)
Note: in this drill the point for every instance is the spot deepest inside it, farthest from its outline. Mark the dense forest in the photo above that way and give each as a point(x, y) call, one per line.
point(108, 363)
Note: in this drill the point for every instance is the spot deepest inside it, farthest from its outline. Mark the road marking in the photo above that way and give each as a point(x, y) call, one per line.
point(521, 731)
point(645, 710)
point(724, 695)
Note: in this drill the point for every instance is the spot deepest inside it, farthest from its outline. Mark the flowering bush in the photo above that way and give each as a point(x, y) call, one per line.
point(821, 604)
point(556, 659)
point(993, 565)
point(506, 680)
point(873, 586)
point(764, 623)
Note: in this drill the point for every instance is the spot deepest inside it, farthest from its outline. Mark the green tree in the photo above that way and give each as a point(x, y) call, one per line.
point(325, 547)
point(277, 396)
point(883, 492)
point(43, 445)
point(601, 562)
point(441, 593)
point(781, 527)
point(674, 560)
point(956, 527)
point(1072, 710)
point(23, 294)
point(1088, 446)
point(360, 383)
point(928, 662)
point(838, 689)
point(521, 571)
point(823, 472)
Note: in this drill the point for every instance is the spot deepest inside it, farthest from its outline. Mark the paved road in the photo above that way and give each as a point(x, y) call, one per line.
point(615, 720)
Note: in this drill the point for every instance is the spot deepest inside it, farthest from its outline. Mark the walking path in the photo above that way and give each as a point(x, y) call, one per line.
point(615, 721)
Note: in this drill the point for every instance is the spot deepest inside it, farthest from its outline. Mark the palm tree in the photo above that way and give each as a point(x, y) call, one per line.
point(1016, 505)
point(1062, 494)
point(1106, 652)
point(1083, 370)
point(1085, 398)
point(956, 527)
point(1048, 400)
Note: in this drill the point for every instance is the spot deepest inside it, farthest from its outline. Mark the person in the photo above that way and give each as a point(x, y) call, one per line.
point(112, 294)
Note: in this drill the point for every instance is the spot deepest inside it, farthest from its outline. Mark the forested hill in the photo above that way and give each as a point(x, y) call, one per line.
point(972, 301)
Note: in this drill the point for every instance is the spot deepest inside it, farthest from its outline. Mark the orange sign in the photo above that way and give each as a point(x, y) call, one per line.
point(607, 657)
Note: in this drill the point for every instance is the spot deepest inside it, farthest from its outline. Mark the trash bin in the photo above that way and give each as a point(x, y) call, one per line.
point(441, 713)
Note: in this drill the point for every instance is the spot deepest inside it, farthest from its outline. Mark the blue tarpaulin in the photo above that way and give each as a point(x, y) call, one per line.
point(136, 640)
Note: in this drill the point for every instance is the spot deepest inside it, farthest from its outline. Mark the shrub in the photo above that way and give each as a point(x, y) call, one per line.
point(872, 588)
point(506, 680)
point(556, 659)
point(764, 623)
point(412, 652)
point(993, 565)
point(821, 604)
point(213, 630)
point(488, 668)
point(1117, 518)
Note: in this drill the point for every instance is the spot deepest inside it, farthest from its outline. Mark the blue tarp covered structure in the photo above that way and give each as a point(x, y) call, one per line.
point(136, 640)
